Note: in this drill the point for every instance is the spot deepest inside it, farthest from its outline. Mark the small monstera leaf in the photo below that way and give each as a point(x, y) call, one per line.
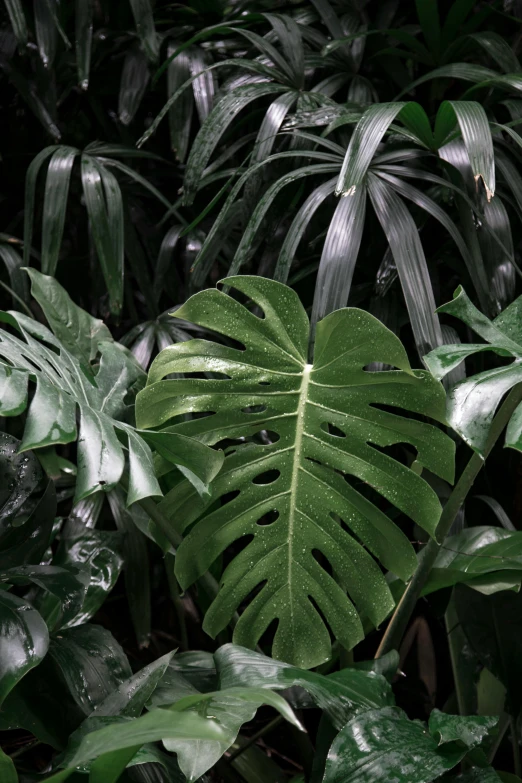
point(472, 402)
point(308, 441)
point(68, 383)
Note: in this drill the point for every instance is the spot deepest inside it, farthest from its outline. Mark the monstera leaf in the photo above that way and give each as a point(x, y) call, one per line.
point(472, 402)
point(319, 430)
point(67, 382)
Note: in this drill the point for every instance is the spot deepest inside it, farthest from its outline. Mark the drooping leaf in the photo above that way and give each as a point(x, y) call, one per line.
point(83, 39)
point(143, 16)
point(311, 412)
point(340, 695)
point(55, 204)
point(230, 708)
point(25, 640)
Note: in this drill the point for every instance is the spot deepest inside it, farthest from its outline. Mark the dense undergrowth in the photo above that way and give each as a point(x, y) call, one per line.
point(259, 520)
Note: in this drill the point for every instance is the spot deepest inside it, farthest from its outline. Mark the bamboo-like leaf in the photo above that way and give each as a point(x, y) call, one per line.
point(428, 14)
point(246, 246)
point(476, 134)
point(134, 80)
point(299, 226)
point(468, 72)
point(339, 255)
point(403, 237)
point(249, 65)
point(105, 209)
point(215, 126)
point(499, 49)
point(180, 116)
point(144, 19)
point(300, 466)
point(290, 38)
point(83, 18)
point(203, 86)
point(13, 264)
point(46, 31)
point(364, 142)
point(164, 262)
point(30, 197)
point(18, 21)
point(55, 206)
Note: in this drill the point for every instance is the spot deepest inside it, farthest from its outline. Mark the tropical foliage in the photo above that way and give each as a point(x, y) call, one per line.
point(260, 352)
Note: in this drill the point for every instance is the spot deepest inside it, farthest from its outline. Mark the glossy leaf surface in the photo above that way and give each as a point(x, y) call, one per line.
point(295, 474)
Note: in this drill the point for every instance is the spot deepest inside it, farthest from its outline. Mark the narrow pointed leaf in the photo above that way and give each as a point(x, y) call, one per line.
point(17, 19)
point(144, 19)
point(83, 19)
point(105, 209)
point(476, 134)
point(339, 255)
point(364, 142)
point(55, 205)
point(213, 128)
point(134, 80)
point(405, 245)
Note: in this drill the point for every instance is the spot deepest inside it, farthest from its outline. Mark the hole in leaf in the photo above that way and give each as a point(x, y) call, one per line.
point(229, 496)
point(331, 429)
point(269, 518)
point(268, 477)
point(321, 615)
point(216, 376)
point(396, 411)
point(264, 383)
point(254, 409)
point(323, 561)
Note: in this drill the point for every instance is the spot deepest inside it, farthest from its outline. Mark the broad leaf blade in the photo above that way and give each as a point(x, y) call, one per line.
point(300, 403)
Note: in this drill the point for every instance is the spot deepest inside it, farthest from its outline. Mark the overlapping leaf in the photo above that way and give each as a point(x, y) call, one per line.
point(472, 402)
point(65, 383)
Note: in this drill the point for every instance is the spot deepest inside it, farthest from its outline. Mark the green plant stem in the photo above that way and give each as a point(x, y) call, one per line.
point(401, 616)
point(175, 594)
point(517, 765)
point(18, 299)
point(173, 537)
point(254, 738)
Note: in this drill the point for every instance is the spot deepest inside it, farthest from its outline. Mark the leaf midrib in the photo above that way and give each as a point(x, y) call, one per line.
point(299, 431)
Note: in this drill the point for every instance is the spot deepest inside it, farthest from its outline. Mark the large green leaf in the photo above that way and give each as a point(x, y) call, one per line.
point(230, 707)
point(325, 423)
point(472, 402)
point(340, 695)
point(383, 745)
point(66, 381)
point(108, 750)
